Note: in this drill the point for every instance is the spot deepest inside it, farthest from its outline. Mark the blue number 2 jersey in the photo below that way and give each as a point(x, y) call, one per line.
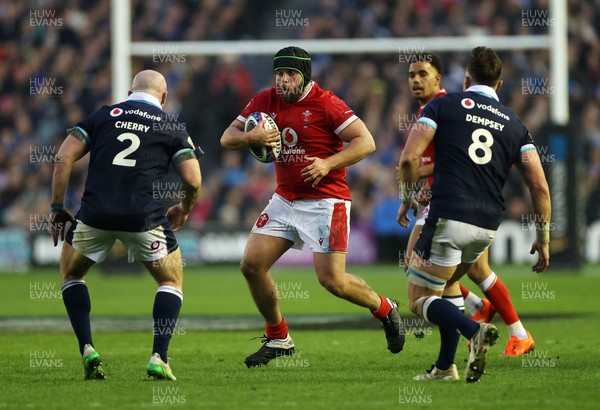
point(477, 140)
point(131, 145)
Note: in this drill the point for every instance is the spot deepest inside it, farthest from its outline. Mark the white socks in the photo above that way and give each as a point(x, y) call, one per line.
point(517, 329)
point(488, 282)
point(473, 303)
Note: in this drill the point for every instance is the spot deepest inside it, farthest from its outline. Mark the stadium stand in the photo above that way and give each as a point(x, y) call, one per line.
point(52, 76)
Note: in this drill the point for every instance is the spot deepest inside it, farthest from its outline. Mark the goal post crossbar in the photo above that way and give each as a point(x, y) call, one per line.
point(405, 45)
point(123, 49)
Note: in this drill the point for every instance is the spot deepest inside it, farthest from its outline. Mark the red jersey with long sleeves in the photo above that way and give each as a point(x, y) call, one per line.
point(309, 128)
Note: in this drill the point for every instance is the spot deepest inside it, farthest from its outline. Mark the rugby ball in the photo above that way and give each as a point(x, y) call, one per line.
point(262, 152)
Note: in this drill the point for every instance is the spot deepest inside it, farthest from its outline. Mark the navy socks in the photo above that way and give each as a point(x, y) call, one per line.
point(77, 302)
point(167, 304)
point(449, 337)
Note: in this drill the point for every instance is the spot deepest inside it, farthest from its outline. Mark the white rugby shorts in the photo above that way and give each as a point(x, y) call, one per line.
point(445, 242)
point(95, 243)
point(322, 224)
point(422, 216)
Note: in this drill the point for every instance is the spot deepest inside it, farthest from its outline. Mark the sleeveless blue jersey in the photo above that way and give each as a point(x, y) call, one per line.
point(477, 140)
point(131, 145)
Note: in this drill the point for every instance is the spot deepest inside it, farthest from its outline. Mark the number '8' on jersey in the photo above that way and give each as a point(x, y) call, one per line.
point(477, 140)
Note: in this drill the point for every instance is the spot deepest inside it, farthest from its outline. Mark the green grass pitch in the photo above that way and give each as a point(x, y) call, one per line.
point(332, 369)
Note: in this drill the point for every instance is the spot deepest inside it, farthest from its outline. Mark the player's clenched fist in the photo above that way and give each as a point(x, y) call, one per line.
point(58, 220)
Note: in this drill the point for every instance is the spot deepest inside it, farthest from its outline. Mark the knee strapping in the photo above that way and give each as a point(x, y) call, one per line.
point(419, 305)
point(425, 280)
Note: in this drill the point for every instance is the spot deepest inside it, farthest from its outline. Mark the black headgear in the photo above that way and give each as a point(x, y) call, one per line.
point(296, 59)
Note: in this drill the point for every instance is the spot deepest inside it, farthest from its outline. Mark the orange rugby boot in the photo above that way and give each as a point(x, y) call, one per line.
point(518, 347)
point(485, 314)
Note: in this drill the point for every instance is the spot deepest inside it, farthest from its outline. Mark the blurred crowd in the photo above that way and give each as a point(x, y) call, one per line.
point(55, 69)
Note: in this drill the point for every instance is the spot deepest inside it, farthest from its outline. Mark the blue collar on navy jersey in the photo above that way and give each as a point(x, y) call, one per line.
point(485, 90)
point(140, 96)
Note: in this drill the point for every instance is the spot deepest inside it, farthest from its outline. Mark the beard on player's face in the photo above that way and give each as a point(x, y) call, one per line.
point(289, 95)
point(290, 89)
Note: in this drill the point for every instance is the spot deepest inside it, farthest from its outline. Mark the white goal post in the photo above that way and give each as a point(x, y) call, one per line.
point(556, 42)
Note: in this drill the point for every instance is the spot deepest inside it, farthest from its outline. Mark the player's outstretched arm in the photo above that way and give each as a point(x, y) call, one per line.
point(360, 144)
point(189, 172)
point(234, 137)
point(532, 173)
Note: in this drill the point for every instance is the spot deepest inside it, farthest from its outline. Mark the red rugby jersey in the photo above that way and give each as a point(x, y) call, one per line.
point(428, 155)
point(309, 128)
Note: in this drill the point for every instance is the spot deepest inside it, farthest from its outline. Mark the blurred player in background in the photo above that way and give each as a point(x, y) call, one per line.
point(311, 203)
point(424, 78)
point(128, 154)
point(477, 140)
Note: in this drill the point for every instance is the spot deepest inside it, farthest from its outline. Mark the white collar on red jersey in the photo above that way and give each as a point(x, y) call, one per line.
point(145, 97)
point(312, 83)
point(484, 89)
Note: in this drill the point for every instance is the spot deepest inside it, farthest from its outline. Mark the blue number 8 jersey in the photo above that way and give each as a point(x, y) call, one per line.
point(131, 145)
point(477, 140)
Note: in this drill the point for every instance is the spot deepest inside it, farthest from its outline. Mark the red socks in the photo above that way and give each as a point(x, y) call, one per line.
point(278, 331)
point(464, 291)
point(384, 309)
point(500, 298)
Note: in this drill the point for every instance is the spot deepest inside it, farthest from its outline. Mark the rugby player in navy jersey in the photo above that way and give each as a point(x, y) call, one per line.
point(424, 78)
point(131, 146)
point(477, 140)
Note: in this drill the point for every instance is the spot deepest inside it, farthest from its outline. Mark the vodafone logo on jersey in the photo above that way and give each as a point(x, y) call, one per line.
point(289, 137)
point(115, 112)
point(291, 152)
point(467, 103)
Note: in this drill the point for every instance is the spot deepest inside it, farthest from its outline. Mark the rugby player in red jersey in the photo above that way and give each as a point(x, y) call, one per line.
point(424, 78)
point(311, 204)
